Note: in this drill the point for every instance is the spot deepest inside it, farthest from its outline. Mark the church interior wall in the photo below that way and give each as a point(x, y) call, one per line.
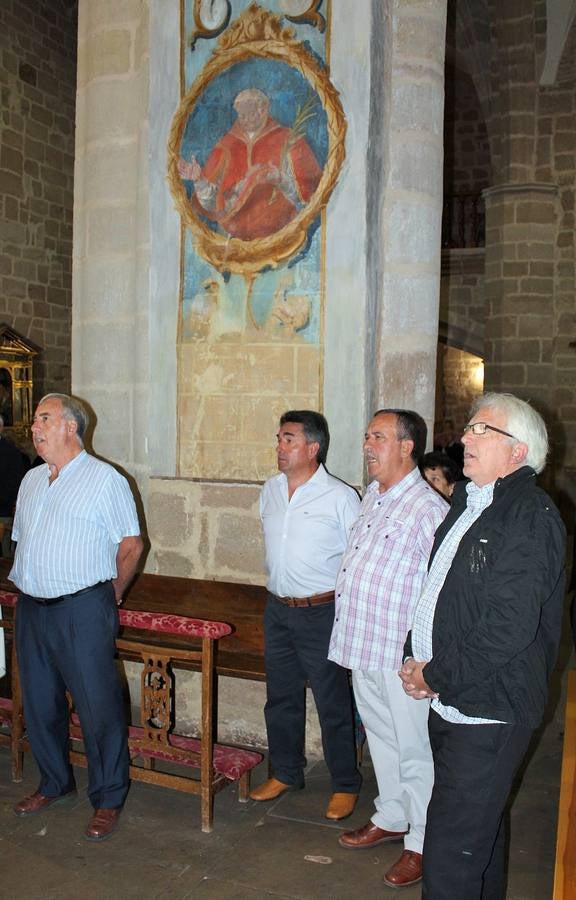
point(38, 78)
point(381, 234)
point(128, 246)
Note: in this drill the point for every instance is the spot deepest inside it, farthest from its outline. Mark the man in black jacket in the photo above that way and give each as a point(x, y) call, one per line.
point(483, 643)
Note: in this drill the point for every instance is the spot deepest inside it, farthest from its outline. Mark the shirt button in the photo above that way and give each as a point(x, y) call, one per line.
point(343, 570)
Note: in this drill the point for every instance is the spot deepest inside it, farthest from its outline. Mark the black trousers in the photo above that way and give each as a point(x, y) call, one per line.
point(70, 645)
point(296, 652)
point(466, 827)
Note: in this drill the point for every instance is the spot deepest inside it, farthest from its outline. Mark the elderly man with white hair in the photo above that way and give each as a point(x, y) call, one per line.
point(483, 643)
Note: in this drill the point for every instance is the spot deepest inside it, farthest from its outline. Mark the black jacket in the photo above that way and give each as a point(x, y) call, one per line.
point(12, 471)
point(498, 617)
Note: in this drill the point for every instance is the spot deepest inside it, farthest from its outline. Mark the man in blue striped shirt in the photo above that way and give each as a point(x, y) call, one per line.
point(78, 545)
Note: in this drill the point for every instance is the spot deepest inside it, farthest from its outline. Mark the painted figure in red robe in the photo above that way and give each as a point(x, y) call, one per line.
point(258, 176)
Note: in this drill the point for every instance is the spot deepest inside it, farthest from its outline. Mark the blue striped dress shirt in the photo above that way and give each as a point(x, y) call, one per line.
point(68, 532)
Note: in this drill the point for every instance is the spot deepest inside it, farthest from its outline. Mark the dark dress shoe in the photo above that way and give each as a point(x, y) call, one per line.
point(102, 824)
point(35, 803)
point(406, 870)
point(368, 836)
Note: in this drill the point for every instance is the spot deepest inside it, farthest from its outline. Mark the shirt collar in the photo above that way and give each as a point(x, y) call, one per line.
point(399, 488)
point(320, 476)
point(72, 464)
point(479, 497)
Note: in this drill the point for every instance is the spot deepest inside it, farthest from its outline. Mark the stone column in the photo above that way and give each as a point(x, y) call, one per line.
point(404, 248)
point(521, 227)
point(110, 265)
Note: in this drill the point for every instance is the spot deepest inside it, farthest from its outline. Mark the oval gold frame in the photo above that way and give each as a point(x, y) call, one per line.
point(248, 39)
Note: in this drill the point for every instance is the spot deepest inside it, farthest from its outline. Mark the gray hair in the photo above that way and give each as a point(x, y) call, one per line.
point(522, 421)
point(73, 410)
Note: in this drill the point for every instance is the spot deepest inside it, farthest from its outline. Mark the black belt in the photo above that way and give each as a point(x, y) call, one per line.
point(314, 600)
point(49, 601)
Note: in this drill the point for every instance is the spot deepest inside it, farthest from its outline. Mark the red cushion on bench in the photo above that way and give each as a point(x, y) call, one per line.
point(173, 624)
point(8, 598)
point(5, 710)
point(232, 762)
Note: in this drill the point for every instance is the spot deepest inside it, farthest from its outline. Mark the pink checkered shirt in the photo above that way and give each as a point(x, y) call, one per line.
point(382, 572)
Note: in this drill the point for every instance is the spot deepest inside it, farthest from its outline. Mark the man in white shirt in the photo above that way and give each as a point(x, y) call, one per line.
point(306, 516)
point(78, 545)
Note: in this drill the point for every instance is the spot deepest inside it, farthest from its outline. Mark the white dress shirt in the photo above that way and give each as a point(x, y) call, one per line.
point(306, 536)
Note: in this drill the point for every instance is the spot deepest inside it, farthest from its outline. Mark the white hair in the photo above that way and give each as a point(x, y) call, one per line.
point(522, 421)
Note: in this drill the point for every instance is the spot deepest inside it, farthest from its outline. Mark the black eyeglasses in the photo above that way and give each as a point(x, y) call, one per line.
point(483, 427)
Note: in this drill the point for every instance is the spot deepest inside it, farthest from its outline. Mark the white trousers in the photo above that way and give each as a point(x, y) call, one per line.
point(397, 732)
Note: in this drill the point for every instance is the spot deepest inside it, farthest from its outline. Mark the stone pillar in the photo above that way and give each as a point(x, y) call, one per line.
point(521, 228)
point(110, 265)
point(404, 256)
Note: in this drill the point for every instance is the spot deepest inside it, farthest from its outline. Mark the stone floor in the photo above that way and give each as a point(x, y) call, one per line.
point(281, 850)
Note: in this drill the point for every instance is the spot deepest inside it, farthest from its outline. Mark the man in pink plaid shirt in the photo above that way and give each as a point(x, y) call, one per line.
point(380, 581)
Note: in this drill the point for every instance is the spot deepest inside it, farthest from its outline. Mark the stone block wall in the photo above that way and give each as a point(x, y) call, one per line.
point(461, 374)
point(466, 149)
point(38, 88)
point(110, 337)
point(206, 530)
point(520, 288)
point(557, 157)
point(462, 299)
point(461, 332)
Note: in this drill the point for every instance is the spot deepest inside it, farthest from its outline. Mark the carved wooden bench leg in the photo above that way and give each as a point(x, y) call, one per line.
point(244, 787)
point(207, 808)
point(17, 728)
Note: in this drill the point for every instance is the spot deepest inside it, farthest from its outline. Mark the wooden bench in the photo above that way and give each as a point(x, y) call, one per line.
point(565, 867)
point(11, 720)
point(154, 739)
point(239, 654)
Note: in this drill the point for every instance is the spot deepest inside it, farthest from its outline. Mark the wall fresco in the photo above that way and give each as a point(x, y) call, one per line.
point(255, 151)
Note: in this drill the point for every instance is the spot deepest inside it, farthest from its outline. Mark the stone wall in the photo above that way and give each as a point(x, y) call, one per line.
point(462, 300)
point(38, 78)
point(466, 149)
point(558, 114)
point(380, 250)
point(461, 334)
point(461, 374)
point(110, 359)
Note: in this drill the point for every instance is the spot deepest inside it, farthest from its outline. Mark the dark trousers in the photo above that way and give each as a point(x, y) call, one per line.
point(70, 645)
point(296, 652)
point(466, 827)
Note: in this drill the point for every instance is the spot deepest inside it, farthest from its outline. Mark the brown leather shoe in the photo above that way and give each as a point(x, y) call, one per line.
point(102, 824)
point(368, 836)
point(341, 806)
point(406, 870)
point(272, 789)
point(36, 802)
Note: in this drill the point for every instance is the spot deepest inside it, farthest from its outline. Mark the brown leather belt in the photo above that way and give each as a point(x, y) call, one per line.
point(314, 600)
